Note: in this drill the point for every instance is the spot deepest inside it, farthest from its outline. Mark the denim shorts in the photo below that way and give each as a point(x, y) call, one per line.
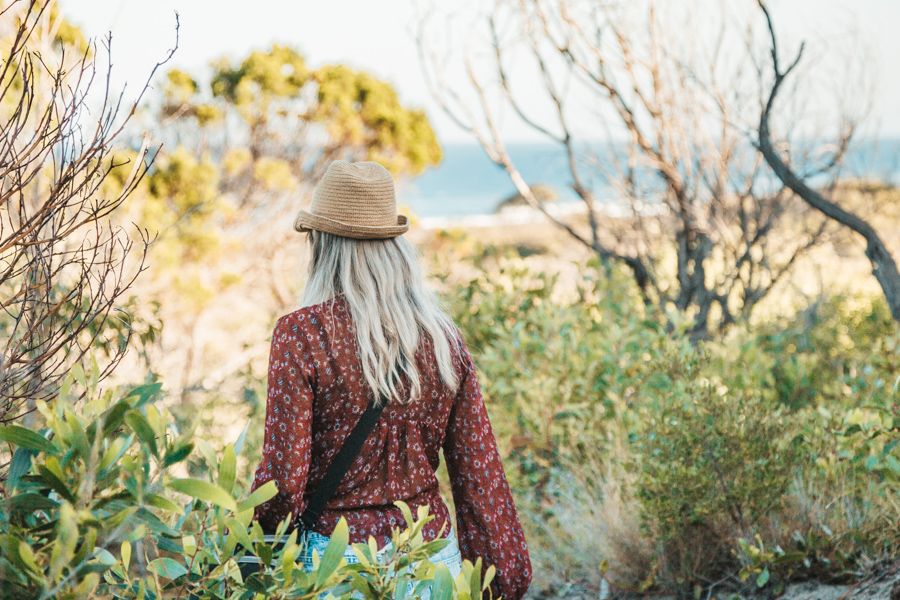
point(449, 555)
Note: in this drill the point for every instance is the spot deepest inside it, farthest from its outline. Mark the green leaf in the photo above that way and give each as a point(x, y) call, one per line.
point(763, 578)
point(27, 556)
point(162, 502)
point(154, 523)
point(55, 483)
point(227, 469)
point(167, 567)
point(442, 589)
point(26, 438)
point(240, 532)
point(28, 502)
point(113, 417)
point(144, 392)
point(66, 540)
point(79, 438)
point(488, 576)
point(114, 452)
point(126, 553)
point(142, 428)
point(893, 464)
point(203, 490)
point(334, 552)
point(266, 491)
point(189, 544)
point(20, 465)
point(474, 580)
point(178, 454)
point(407, 513)
point(239, 443)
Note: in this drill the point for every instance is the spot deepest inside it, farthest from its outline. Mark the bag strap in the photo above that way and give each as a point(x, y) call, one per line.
point(340, 464)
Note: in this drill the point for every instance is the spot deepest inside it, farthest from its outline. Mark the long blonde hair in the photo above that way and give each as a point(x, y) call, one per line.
point(390, 306)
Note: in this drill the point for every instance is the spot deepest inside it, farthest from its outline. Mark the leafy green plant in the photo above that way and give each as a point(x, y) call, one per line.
point(93, 506)
point(763, 457)
point(712, 462)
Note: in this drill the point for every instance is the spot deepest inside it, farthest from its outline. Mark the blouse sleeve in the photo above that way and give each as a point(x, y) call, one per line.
point(487, 523)
point(287, 439)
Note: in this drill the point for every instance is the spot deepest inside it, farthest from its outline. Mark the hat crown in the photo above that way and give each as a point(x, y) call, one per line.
point(355, 200)
point(360, 192)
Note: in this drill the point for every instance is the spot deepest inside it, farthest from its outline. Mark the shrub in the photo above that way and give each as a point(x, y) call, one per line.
point(558, 372)
point(92, 507)
point(767, 456)
point(713, 464)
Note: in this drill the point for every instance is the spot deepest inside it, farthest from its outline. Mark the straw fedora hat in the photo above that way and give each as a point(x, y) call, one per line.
point(355, 200)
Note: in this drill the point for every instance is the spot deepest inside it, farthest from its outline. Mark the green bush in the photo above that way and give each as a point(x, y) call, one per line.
point(92, 506)
point(660, 463)
point(559, 373)
point(713, 463)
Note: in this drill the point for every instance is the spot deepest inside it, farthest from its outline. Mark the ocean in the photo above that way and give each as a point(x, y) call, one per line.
point(468, 183)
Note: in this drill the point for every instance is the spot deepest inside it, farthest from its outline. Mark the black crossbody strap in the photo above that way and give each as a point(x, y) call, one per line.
point(342, 461)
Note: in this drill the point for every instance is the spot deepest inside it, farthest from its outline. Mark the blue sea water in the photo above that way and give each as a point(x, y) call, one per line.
point(467, 182)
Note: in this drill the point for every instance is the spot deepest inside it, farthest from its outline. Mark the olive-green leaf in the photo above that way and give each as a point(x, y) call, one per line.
point(162, 502)
point(26, 438)
point(203, 490)
point(167, 567)
point(66, 540)
point(266, 491)
point(126, 553)
point(144, 392)
point(55, 483)
point(178, 453)
point(227, 469)
point(407, 513)
point(27, 556)
point(113, 417)
point(28, 502)
point(142, 428)
point(240, 532)
point(442, 589)
point(20, 465)
point(333, 553)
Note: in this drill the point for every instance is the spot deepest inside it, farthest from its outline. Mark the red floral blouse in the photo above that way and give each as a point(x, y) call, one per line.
point(316, 393)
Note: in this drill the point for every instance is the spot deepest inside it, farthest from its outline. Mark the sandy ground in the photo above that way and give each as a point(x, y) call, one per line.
point(883, 586)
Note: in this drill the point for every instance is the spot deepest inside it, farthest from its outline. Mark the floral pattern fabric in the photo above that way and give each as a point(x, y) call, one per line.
point(316, 394)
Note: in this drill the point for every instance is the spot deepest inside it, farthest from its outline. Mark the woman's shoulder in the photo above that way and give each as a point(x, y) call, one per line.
point(311, 312)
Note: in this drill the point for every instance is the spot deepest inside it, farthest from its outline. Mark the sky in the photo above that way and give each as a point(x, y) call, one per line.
point(376, 36)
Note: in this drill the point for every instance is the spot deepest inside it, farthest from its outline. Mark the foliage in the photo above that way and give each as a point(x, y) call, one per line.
point(275, 91)
point(710, 460)
point(92, 506)
point(567, 357)
point(767, 456)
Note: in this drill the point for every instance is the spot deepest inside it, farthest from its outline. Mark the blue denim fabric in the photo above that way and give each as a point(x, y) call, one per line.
point(449, 555)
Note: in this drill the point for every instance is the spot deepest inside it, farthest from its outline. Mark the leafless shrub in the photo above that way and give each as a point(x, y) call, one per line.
point(696, 220)
point(64, 263)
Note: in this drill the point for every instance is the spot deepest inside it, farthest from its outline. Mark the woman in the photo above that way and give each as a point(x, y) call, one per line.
point(370, 328)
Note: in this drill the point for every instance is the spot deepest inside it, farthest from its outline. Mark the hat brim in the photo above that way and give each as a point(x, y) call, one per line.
point(306, 221)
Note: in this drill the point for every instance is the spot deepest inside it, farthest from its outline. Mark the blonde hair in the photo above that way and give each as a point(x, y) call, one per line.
point(390, 306)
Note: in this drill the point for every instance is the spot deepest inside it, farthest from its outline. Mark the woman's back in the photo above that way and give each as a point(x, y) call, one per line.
point(315, 364)
point(371, 327)
point(315, 397)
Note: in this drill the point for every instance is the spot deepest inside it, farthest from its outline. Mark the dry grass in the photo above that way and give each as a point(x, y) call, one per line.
point(588, 528)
